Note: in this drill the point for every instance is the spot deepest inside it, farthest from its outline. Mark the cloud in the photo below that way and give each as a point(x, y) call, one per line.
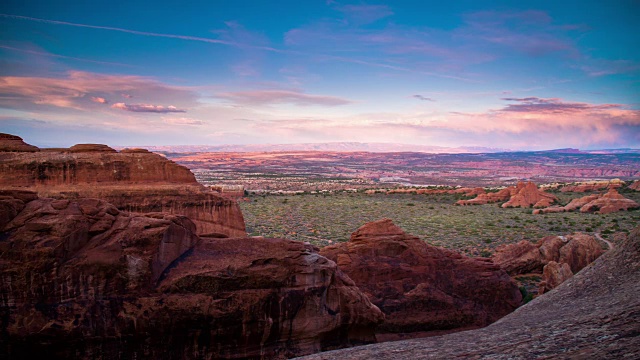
point(530, 32)
point(365, 14)
point(147, 108)
point(99, 100)
point(72, 91)
point(263, 97)
point(423, 98)
point(553, 105)
point(183, 121)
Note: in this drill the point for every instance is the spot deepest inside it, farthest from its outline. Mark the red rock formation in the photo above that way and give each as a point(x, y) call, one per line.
point(606, 203)
point(635, 186)
point(89, 165)
point(610, 202)
point(527, 195)
point(133, 180)
point(593, 186)
point(522, 195)
point(554, 274)
point(420, 287)
point(10, 142)
point(577, 250)
point(521, 258)
point(80, 279)
point(487, 198)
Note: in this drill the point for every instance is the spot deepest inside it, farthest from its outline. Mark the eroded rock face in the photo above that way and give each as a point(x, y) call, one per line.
point(134, 180)
point(420, 287)
point(593, 315)
point(522, 195)
point(81, 279)
point(635, 186)
point(88, 164)
point(528, 195)
point(9, 143)
point(577, 250)
point(606, 203)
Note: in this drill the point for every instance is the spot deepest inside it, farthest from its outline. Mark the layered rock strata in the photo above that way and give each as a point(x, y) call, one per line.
point(81, 279)
point(134, 180)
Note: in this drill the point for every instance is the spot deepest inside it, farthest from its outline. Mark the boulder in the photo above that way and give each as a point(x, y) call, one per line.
point(554, 274)
point(81, 279)
point(577, 250)
point(419, 287)
point(486, 198)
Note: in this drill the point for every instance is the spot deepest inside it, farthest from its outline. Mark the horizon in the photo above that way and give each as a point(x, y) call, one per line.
point(513, 75)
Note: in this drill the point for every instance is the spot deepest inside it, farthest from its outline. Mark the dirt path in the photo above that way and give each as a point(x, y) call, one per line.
point(606, 241)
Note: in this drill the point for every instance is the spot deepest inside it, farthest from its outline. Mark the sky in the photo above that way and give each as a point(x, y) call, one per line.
point(520, 75)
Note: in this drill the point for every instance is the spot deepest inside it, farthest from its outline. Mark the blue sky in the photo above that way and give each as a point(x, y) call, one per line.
point(508, 74)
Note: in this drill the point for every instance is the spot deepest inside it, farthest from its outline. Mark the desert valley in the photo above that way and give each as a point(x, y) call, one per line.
point(117, 254)
point(332, 179)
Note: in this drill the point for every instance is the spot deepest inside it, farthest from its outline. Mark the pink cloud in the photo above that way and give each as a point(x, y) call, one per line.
point(72, 90)
point(147, 108)
point(365, 14)
point(99, 100)
point(183, 121)
point(262, 97)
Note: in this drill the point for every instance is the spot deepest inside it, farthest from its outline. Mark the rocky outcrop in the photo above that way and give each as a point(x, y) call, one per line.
point(593, 186)
point(487, 198)
point(10, 143)
point(421, 288)
point(522, 195)
point(528, 195)
point(635, 186)
point(84, 164)
point(611, 201)
point(463, 191)
point(81, 279)
point(593, 315)
point(134, 180)
point(577, 250)
point(101, 148)
point(554, 274)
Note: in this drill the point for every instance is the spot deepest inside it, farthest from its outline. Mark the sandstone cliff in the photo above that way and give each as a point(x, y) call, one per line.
point(81, 279)
point(421, 288)
point(134, 180)
point(593, 315)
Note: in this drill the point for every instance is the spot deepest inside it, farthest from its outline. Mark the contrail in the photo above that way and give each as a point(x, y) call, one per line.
point(143, 33)
point(235, 44)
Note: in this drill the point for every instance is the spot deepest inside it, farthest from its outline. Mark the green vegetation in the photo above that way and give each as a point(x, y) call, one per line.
point(474, 230)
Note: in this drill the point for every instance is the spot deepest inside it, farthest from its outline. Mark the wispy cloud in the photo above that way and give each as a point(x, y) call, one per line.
point(78, 90)
point(99, 100)
point(365, 14)
point(423, 98)
point(48, 54)
point(148, 108)
point(262, 97)
point(183, 121)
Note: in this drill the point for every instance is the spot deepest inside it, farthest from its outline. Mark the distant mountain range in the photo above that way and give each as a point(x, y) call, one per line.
point(365, 147)
point(331, 146)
